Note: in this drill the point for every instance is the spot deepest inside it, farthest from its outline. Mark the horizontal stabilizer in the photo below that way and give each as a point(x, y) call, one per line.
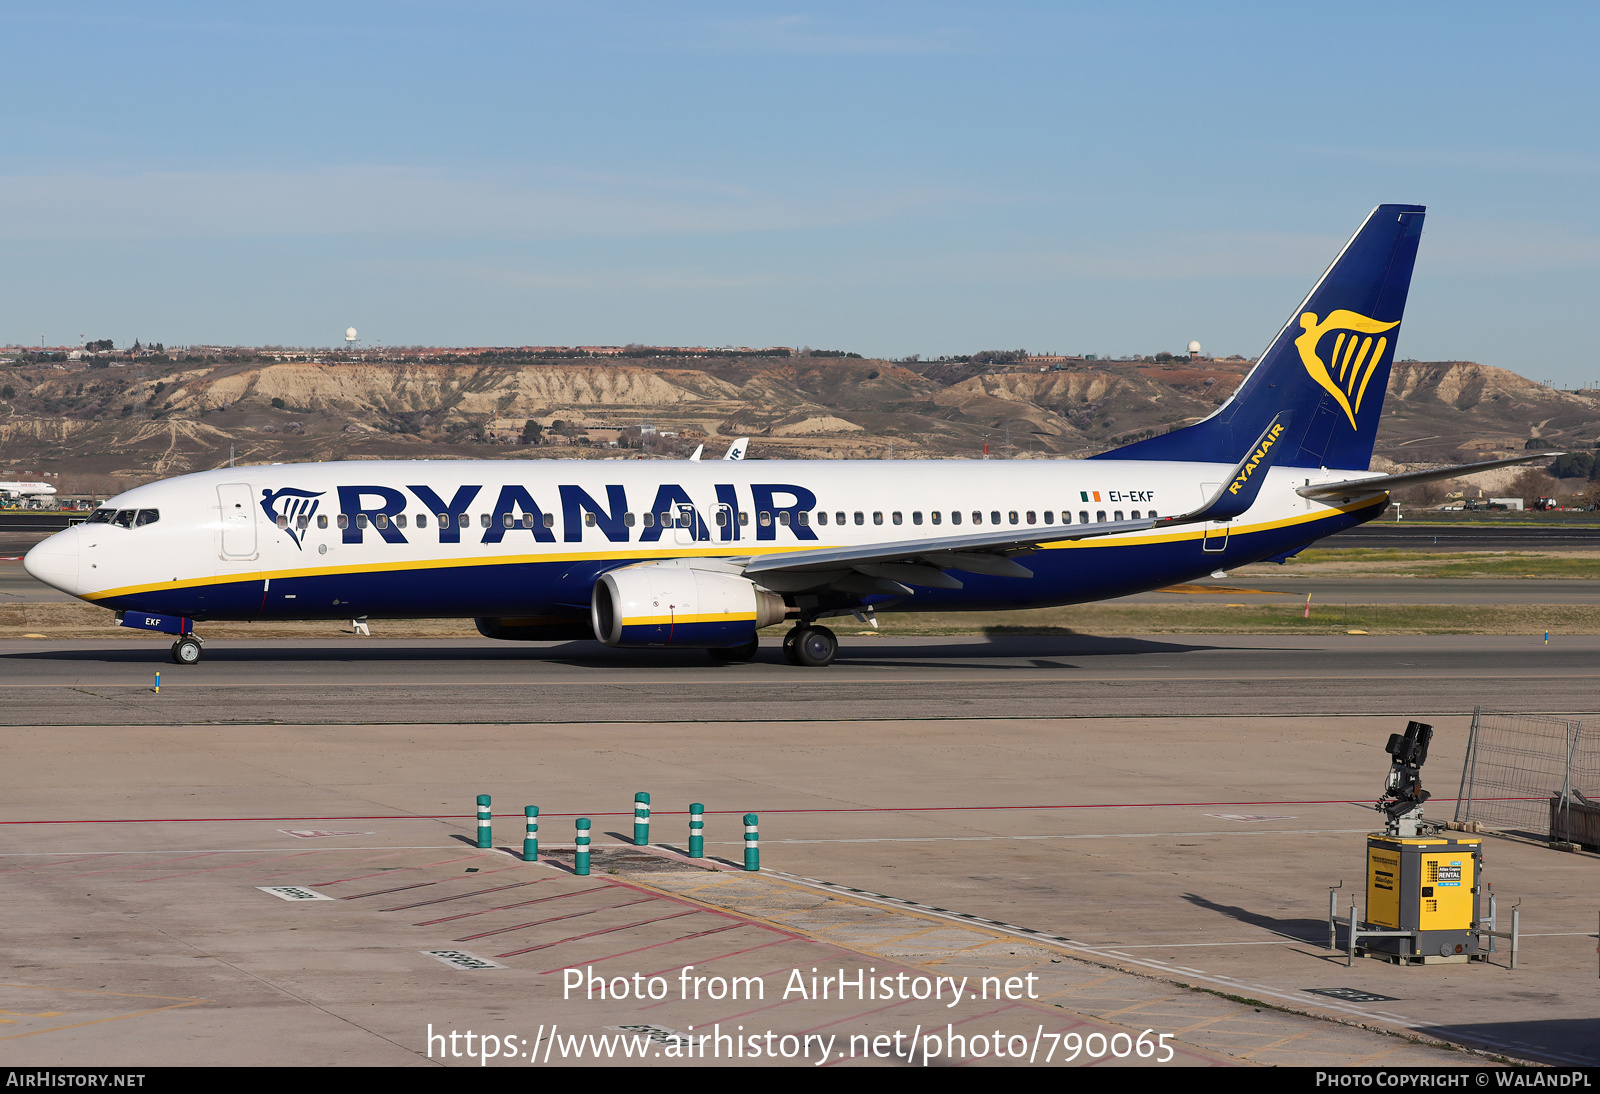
point(1351, 488)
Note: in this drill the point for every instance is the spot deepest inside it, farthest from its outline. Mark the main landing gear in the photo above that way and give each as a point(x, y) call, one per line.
point(186, 650)
point(811, 645)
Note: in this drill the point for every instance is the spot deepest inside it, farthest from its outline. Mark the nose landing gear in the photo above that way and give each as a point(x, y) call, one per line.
point(810, 645)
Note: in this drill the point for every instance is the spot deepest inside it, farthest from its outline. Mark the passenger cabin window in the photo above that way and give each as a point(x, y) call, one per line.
point(422, 520)
point(526, 520)
point(400, 521)
point(1031, 518)
point(344, 520)
point(1151, 514)
point(894, 518)
point(283, 520)
point(485, 519)
point(361, 520)
point(647, 520)
point(764, 518)
point(934, 516)
point(1012, 516)
point(838, 518)
point(1100, 515)
point(1049, 517)
point(916, 517)
point(444, 519)
point(1134, 514)
point(322, 521)
point(822, 516)
point(994, 517)
point(977, 517)
point(722, 518)
point(955, 517)
point(150, 516)
point(877, 518)
point(860, 517)
point(588, 519)
point(1117, 515)
point(549, 520)
point(744, 519)
point(1083, 517)
point(805, 518)
point(783, 518)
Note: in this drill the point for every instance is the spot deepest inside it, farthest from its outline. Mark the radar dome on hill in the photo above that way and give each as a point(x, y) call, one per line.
point(1194, 349)
point(350, 335)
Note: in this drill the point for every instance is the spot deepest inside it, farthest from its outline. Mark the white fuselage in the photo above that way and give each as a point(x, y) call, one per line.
point(522, 538)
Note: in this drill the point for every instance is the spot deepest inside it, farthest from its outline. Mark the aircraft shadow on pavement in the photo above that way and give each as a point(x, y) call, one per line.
point(1036, 648)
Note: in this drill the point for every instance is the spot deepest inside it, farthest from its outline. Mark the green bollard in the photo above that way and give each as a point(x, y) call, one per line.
point(485, 824)
point(530, 842)
point(752, 848)
point(641, 819)
point(697, 831)
point(581, 859)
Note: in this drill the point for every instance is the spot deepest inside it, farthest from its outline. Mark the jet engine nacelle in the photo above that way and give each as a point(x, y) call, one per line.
point(671, 604)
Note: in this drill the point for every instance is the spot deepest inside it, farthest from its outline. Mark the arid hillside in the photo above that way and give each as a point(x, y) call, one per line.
point(103, 427)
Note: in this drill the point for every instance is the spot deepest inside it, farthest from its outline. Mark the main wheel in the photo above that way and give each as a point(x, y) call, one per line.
point(815, 646)
point(736, 653)
point(186, 651)
point(789, 639)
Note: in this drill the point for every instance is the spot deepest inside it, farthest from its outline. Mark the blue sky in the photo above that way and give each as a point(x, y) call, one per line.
point(889, 178)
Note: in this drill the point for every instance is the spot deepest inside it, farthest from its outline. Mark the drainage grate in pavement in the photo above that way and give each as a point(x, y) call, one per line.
point(1353, 995)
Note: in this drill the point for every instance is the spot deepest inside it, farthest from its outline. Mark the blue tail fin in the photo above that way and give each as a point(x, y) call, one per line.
point(1328, 366)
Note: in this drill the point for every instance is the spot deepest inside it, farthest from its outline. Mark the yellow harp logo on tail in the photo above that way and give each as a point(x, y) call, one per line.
point(1354, 357)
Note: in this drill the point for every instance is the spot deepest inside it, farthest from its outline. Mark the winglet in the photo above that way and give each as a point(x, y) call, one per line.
point(1238, 494)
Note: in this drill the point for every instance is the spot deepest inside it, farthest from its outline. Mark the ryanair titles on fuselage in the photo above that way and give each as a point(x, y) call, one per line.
point(380, 510)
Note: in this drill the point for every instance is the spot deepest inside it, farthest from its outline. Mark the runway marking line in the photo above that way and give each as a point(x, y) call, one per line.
point(728, 812)
point(658, 945)
point(554, 919)
point(504, 907)
point(592, 934)
point(463, 896)
point(178, 1003)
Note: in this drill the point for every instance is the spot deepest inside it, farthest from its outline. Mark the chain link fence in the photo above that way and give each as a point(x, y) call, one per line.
point(1532, 775)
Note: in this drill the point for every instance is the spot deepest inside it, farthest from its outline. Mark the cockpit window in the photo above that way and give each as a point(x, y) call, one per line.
point(101, 516)
point(124, 518)
point(146, 516)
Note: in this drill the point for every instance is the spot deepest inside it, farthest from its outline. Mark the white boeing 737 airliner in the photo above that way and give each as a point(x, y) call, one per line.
point(706, 553)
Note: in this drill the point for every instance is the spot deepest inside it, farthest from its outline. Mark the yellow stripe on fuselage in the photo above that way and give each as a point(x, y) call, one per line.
point(720, 551)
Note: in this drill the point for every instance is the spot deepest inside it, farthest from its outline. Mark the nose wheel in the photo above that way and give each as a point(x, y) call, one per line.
point(810, 645)
point(186, 650)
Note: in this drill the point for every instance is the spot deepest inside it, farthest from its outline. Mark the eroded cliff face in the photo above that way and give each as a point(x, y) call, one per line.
point(148, 420)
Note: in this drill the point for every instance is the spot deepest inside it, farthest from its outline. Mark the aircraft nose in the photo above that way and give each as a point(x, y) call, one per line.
point(55, 561)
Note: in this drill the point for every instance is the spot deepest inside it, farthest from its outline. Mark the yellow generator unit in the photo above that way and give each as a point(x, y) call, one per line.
point(1427, 887)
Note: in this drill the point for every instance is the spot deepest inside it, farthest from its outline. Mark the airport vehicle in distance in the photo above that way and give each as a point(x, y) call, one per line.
point(706, 553)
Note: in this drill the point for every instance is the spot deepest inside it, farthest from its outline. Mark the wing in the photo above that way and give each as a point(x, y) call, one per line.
point(891, 568)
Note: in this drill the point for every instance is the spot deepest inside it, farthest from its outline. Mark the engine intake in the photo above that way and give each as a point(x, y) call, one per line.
point(663, 604)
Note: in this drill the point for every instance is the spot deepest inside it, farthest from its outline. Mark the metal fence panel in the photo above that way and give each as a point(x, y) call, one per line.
point(1515, 765)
